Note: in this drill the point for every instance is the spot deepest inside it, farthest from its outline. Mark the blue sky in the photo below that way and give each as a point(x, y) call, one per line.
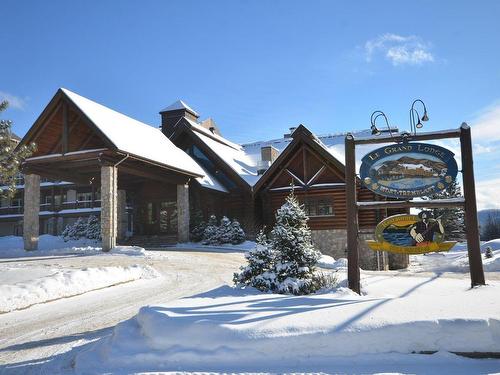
point(259, 67)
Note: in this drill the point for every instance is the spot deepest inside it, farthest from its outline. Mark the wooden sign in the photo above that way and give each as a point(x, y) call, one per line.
point(410, 234)
point(408, 170)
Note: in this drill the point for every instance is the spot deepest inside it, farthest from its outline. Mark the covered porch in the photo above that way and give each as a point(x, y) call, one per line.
point(83, 142)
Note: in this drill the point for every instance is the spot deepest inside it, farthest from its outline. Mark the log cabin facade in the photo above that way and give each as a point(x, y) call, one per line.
point(150, 180)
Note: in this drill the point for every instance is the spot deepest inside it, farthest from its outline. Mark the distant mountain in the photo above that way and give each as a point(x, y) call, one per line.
point(483, 215)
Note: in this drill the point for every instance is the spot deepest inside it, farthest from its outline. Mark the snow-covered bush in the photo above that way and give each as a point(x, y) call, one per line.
point(224, 231)
point(237, 233)
point(93, 228)
point(488, 253)
point(197, 232)
point(212, 234)
point(83, 228)
point(286, 262)
point(259, 272)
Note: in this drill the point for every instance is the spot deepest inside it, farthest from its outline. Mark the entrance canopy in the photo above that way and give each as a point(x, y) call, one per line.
point(76, 136)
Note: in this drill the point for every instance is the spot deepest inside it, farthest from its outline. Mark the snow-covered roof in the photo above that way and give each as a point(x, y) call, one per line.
point(134, 137)
point(210, 182)
point(179, 104)
point(233, 154)
point(334, 143)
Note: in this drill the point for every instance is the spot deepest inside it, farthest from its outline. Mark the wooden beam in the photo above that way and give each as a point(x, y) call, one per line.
point(434, 203)
point(451, 133)
point(353, 277)
point(169, 179)
point(304, 164)
point(472, 226)
point(85, 141)
point(65, 128)
point(316, 175)
point(72, 125)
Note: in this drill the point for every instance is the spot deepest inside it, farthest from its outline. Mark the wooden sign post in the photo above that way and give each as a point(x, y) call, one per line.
point(468, 202)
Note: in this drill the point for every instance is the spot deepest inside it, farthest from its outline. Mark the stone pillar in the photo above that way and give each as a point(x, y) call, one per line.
point(31, 223)
point(183, 213)
point(109, 192)
point(122, 214)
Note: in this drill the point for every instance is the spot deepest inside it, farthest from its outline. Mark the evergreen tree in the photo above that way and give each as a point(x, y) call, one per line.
point(93, 231)
point(259, 273)
point(10, 156)
point(237, 233)
point(210, 232)
point(295, 255)
point(198, 231)
point(285, 263)
point(453, 219)
point(76, 230)
point(224, 231)
point(491, 230)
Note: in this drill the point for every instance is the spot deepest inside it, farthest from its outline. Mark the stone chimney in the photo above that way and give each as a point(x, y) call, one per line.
point(210, 124)
point(171, 116)
point(289, 135)
point(268, 155)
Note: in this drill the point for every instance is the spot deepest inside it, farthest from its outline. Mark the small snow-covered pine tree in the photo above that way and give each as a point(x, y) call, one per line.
point(296, 257)
point(285, 263)
point(259, 273)
point(76, 230)
point(237, 233)
point(224, 231)
point(210, 232)
point(198, 231)
point(93, 231)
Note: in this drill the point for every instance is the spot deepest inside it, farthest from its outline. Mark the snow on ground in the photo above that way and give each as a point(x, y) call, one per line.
point(328, 262)
point(23, 287)
point(13, 247)
point(455, 260)
point(228, 329)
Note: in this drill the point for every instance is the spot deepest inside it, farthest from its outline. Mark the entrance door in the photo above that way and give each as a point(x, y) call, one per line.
point(160, 217)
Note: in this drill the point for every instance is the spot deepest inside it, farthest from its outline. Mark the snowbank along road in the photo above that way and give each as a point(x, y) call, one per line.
point(44, 332)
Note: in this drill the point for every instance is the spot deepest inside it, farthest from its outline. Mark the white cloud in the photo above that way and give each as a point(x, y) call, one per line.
point(399, 50)
point(14, 101)
point(486, 126)
point(487, 194)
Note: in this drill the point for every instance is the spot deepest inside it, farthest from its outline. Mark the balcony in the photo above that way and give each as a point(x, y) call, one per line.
point(55, 208)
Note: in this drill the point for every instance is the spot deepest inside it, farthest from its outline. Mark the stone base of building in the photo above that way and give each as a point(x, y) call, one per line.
point(333, 242)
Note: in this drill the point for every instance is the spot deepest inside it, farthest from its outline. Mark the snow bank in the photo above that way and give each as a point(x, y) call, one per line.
point(329, 262)
point(456, 260)
point(230, 328)
point(13, 247)
point(66, 283)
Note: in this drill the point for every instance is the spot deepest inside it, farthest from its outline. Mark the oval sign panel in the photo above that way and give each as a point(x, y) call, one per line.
point(408, 170)
point(410, 234)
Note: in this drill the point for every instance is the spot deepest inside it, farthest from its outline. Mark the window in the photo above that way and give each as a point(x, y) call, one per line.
point(318, 206)
point(19, 179)
point(17, 202)
point(84, 197)
point(206, 163)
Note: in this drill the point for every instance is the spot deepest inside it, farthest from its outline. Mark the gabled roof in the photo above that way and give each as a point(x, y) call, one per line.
point(301, 134)
point(134, 137)
point(179, 104)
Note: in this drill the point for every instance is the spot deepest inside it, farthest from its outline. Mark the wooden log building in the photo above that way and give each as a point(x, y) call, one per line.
point(149, 180)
